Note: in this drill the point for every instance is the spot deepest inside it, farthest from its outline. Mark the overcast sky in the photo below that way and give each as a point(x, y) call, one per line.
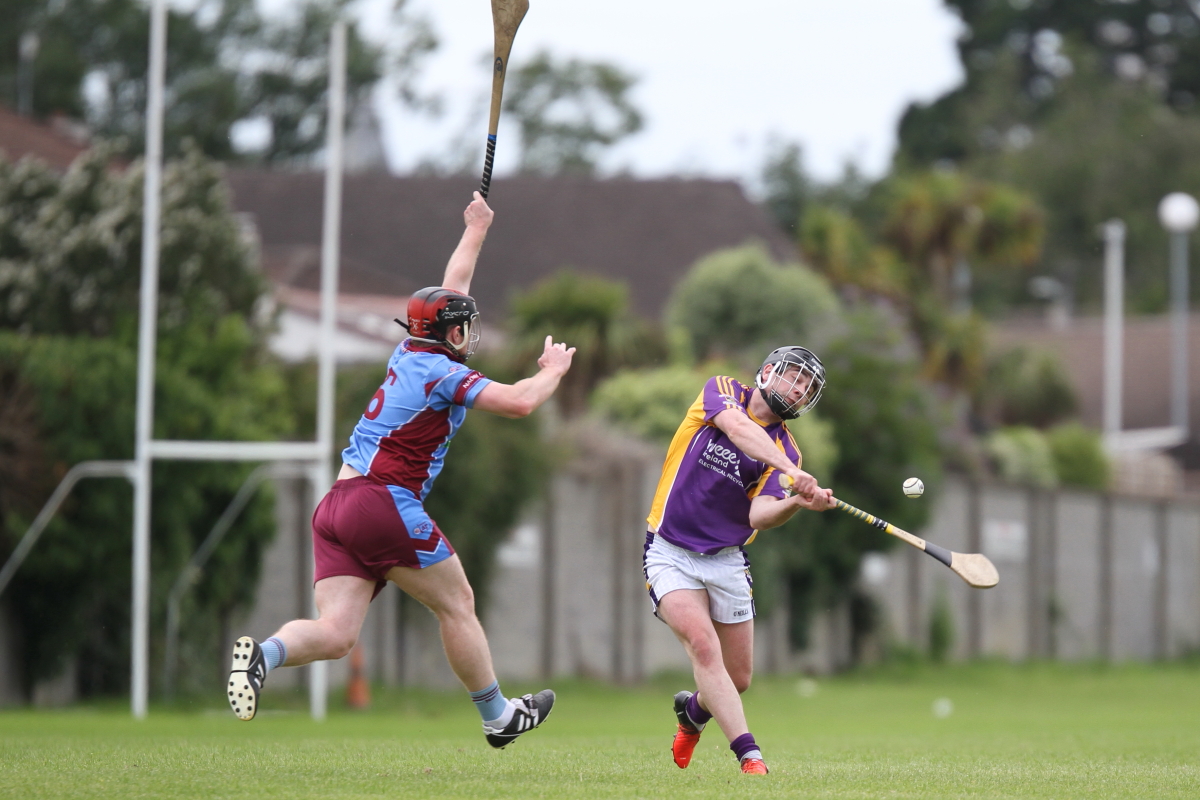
point(718, 80)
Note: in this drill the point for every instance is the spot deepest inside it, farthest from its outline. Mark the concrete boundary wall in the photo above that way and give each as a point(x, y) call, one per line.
point(1082, 575)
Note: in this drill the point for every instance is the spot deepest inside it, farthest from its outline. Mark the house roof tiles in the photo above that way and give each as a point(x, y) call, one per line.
point(397, 232)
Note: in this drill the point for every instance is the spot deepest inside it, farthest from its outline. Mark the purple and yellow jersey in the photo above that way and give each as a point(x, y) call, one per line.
point(402, 437)
point(703, 499)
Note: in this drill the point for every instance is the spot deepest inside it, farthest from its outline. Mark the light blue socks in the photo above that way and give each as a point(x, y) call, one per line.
point(492, 705)
point(274, 652)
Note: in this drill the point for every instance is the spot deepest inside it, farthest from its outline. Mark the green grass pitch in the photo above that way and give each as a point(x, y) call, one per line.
point(1015, 732)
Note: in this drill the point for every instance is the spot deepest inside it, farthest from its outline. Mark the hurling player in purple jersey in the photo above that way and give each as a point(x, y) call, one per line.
point(372, 527)
point(721, 484)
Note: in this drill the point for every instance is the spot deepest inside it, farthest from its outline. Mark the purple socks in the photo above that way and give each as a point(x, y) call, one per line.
point(695, 713)
point(744, 747)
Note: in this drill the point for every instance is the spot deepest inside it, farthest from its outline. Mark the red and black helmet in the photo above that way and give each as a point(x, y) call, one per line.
point(434, 311)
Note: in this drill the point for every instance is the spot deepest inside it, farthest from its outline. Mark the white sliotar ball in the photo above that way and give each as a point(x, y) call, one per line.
point(913, 487)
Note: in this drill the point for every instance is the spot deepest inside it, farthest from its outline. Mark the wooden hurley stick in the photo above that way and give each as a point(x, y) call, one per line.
point(506, 18)
point(974, 568)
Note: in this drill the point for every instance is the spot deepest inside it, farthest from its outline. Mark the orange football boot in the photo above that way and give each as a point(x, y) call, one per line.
point(686, 734)
point(754, 766)
point(683, 745)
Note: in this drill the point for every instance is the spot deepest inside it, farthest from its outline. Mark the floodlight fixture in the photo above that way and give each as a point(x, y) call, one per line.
point(1179, 212)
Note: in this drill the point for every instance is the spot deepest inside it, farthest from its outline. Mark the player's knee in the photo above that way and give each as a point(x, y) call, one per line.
point(706, 650)
point(741, 682)
point(338, 644)
point(455, 603)
point(462, 600)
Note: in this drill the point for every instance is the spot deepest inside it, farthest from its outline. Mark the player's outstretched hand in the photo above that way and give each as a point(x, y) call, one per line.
point(478, 214)
point(556, 357)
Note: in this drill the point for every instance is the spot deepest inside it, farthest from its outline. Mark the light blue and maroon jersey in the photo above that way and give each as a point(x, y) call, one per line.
point(703, 499)
point(402, 437)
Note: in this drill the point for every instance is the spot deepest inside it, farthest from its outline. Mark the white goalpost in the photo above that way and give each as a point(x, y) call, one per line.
point(315, 454)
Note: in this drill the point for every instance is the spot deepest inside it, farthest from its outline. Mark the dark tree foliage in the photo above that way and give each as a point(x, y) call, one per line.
point(591, 314)
point(70, 599)
point(788, 187)
point(733, 302)
point(1158, 40)
point(1024, 387)
point(1087, 106)
point(226, 63)
point(70, 251)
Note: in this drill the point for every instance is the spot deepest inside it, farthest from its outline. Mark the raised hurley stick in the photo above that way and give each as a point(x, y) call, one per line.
point(974, 568)
point(506, 18)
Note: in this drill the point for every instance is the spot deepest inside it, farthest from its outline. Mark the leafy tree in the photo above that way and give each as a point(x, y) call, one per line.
point(733, 302)
point(839, 247)
point(937, 220)
point(945, 226)
point(790, 191)
point(226, 64)
point(787, 185)
point(1106, 149)
point(591, 314)
point(71, 597)
point(569, 111)
point(650, 403)
point(1040, 46)
point(1088, 107)
point(1025, 388)
point(1079, 456)
point(70, 251)
point(1021, 454)
point(69, 272)
point(1155, 40)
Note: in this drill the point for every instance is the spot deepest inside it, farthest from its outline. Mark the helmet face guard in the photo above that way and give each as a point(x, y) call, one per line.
point(434, 311)
point(794, 382)
point(471, 332)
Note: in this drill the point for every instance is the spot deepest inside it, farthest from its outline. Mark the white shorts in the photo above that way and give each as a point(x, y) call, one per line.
point(724, 575)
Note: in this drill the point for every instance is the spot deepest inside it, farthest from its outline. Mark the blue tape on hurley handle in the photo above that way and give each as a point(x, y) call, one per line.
point(488, 159)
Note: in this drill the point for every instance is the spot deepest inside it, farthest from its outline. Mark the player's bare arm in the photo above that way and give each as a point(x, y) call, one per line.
point(752, 440)
point(461, 267)
point(770, 512)
point(520, 399)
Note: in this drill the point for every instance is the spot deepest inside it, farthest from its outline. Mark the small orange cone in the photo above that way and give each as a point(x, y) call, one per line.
point(358, 691)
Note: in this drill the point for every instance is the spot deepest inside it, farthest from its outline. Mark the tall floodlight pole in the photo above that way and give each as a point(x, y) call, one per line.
point(139, 689)
point(1114, 311)
point(1179, 213)
point(326, 363)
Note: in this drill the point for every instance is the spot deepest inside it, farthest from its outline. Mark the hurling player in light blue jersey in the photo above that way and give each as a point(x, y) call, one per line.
point(372, 527)
point(722, 482)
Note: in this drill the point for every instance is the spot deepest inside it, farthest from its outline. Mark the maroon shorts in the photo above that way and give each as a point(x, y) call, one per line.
point(363, 529)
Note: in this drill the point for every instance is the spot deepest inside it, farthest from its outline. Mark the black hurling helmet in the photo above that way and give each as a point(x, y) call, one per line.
point(434, 311)
point(776, 387)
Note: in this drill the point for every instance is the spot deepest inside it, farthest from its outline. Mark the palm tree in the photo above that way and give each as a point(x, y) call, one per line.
point(939, 223)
